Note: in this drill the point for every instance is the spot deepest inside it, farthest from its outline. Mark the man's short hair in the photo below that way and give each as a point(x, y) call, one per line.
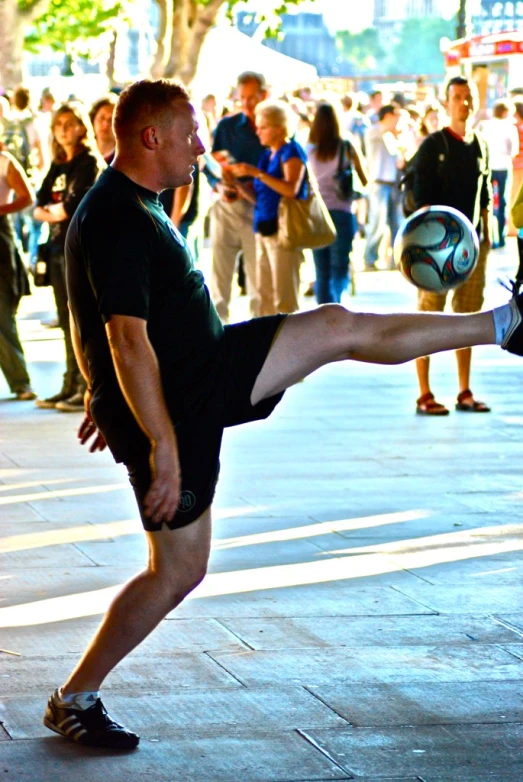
point(21, 98)
point(388, 109)
point(107, 100)
point(248, 76)
point(144, 103)
point(501, 107)
point(460, 81)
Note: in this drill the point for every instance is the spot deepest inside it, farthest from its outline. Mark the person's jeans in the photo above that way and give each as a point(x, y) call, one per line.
point(73, 380)
point(332, 262)
point(12, 360)
point(500, 210)
point(384, 210)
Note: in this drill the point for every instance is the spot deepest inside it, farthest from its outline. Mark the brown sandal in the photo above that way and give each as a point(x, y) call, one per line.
point(427, 405)
point(474, 407)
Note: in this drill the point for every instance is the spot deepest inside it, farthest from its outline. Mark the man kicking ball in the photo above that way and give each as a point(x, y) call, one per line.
point(165, 377)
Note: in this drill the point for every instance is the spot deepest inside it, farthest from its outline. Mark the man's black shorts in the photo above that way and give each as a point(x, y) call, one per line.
point(246, 346)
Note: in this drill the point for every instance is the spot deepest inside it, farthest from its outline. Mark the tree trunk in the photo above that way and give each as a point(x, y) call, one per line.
point(13, 26)
point(463, 28)
point(191, 23)
point(11, 44)
point(163, 38)
point(110, 64)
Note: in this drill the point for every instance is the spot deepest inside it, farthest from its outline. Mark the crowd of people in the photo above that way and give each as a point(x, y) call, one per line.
point(260, 147)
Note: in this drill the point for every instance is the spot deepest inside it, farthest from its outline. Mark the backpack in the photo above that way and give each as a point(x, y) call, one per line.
point(406, 183)
point(16, 140)
point(343, 177)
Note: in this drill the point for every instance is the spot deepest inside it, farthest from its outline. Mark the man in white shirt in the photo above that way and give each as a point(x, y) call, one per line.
point(383, 157)
point(501, 136)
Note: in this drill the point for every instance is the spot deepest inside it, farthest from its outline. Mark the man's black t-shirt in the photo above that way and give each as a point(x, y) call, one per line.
point(462, 180)
point(124, 257)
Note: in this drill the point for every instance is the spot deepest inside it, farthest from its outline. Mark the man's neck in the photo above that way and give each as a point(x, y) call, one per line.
point(140, 175)
point(460, 128)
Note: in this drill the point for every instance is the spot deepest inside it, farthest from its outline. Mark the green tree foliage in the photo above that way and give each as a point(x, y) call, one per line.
point(418, 49)
point(361, 49)
point(77, 25)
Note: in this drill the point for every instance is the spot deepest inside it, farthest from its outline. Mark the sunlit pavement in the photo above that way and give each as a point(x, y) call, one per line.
point(363, 615)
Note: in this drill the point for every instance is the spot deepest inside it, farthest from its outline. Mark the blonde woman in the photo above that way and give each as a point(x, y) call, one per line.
point(280, 172)
point(74, 170)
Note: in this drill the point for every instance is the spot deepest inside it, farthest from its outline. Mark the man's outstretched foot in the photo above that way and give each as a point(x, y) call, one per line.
point(92, 727)
point(513, 338)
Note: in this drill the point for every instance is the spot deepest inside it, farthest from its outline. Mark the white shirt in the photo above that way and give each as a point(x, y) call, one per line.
point(502, 140)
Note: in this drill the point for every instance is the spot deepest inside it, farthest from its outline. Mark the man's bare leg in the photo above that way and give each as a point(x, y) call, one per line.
point(309, 340)
point(177, 564)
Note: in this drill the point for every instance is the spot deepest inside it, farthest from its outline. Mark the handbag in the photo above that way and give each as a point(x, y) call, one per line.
point(343, 184)
point(305, 223)
point(42, 271)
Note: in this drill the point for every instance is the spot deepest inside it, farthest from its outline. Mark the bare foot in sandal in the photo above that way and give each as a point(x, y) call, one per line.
point(427, 405)
point(467, 404)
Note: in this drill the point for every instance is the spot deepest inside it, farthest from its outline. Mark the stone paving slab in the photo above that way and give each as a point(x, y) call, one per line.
point(287, 757)
point(427, 703)
point(51, 556)
point(423, 663)
point(264, 634)
point(372, 664)
point(75, 634)
point(137, 673)
point(461, 753)
point(335, 598)
point(25, 586)
point(179, 714)
point(465, 598)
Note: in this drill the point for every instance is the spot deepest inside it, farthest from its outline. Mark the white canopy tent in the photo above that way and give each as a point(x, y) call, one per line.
point(227, 52)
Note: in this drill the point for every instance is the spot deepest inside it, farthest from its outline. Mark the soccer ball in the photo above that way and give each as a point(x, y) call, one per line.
point(436, 248)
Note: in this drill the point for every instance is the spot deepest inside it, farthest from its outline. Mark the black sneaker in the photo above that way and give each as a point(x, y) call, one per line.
point(92, 726)
point(52, 401)
point(513, 339)
point(73, 404)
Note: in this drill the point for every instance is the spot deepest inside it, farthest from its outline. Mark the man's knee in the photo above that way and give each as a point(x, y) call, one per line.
point(177, 583)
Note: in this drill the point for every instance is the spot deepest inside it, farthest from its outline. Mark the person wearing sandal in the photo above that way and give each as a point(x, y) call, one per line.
point(461, 180)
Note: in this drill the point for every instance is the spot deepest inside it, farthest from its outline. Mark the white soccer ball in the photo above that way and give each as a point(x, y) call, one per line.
point(436, 248)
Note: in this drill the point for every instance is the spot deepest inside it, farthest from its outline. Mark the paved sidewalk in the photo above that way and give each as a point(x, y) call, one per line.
point(363, 616)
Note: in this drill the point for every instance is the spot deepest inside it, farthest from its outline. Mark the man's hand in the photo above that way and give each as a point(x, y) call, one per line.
point(88, 428)
point(244, 169)
point(163, 497)
point(227, 192)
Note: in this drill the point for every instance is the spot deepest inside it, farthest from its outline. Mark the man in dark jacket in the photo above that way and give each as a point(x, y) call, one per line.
point(453, 169)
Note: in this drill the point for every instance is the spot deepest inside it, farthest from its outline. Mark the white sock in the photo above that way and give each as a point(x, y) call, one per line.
point(506, 319)
point(78, 700)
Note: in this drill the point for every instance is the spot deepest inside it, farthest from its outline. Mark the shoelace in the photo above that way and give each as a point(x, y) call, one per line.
point(512, 286)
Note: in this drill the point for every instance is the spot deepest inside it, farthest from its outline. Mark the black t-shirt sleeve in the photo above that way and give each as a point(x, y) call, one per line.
point(43, 197)
point(118, 257)
point(82, 179)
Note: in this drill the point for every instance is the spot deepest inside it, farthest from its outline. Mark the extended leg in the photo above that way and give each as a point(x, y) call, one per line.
point(330, 333)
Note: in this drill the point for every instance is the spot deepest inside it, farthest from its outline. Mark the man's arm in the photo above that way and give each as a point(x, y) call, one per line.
point(19, 183)
point(138, 373)
point(87, 428)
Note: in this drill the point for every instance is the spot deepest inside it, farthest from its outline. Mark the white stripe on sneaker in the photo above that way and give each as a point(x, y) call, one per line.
point(514, 323)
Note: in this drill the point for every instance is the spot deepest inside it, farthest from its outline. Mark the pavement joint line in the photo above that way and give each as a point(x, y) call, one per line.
point(328, 705)
point(303, 733)
point(507, 624)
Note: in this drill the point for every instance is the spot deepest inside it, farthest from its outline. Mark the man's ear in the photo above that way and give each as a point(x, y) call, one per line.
point(149, 137)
